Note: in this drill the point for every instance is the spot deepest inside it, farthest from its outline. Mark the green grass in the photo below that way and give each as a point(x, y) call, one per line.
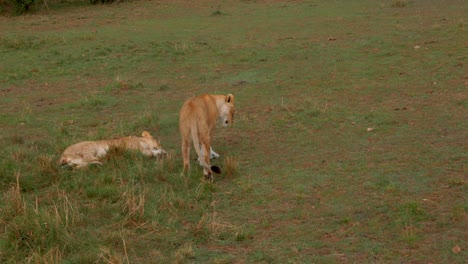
point(348, 143)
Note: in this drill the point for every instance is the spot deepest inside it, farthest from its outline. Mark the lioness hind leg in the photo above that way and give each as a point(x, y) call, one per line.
point(186, 155)
point(213, 155)
point(75, 163)
point(204, 160)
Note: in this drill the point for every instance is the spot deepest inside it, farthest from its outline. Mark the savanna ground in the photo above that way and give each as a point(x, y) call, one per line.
point(349, 144)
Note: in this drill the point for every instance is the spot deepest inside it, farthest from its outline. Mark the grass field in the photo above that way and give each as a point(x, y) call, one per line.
point(349, 144)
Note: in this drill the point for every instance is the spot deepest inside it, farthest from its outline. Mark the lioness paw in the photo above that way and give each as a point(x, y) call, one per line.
point(213, 155)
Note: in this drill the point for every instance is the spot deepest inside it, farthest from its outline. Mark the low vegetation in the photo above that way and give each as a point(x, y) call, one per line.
point(348, 144)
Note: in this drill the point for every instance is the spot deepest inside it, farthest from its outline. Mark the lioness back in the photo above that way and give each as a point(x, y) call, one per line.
point(197, 121)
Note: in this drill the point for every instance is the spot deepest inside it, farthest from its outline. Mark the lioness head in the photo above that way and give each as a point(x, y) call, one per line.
point(151, 146)
point(227, 110)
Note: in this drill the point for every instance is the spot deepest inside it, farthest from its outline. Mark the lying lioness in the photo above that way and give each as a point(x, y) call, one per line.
point(81, 154)
point(197, 121)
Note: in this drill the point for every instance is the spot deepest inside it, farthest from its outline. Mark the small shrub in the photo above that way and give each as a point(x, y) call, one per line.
point(94, 2)
point(457, 213)
point(399, 3)
point(122, 84)
point(411, 214)
point(17, 139)
point(242, 236)
point(97, 102)
point(217, 12)
point(164, 87)
point(184, 253)
point(16, 7)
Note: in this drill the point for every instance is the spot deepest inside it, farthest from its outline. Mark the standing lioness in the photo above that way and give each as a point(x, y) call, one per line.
point(197, 122)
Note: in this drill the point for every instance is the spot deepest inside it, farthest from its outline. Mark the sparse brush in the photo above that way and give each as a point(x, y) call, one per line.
point(411, 214)
point(64, 209)
point(167, 163)
point(54, 255)
point(457, 213)
point(456, 181)
point(212, 226)
point(33, 233)
point(15, 7)
point(169, 201)
point(183, 253)
point(399, 3)
point(148, 118)
point(164, 87)
point(133, 202)
point(108, 192)
point(461, 24)
point(124, 84)
point(108, 256)
point(205, 190)
point(17, 139)
point(47, 166)
point(115, 155)
point(200, 231)
point(14, 204)
point(96, 102)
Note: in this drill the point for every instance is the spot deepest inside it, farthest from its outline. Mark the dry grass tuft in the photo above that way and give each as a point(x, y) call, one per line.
point(108, 256)
point(168, 162)
point(54, 255)
point(64, 209)
point(18, 156)
point(47, 166)
point(14, 203)
point(212, 226)
point(231, 166)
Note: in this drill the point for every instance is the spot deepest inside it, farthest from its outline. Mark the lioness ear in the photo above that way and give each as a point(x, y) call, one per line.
point(229, 98)
point(146, 134)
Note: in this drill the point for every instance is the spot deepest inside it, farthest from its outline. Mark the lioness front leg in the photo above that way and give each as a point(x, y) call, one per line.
point(213, 154)
point(84, 164)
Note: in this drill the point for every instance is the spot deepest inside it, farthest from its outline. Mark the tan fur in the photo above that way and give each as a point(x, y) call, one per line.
point(197, 122)
point(81, 154)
